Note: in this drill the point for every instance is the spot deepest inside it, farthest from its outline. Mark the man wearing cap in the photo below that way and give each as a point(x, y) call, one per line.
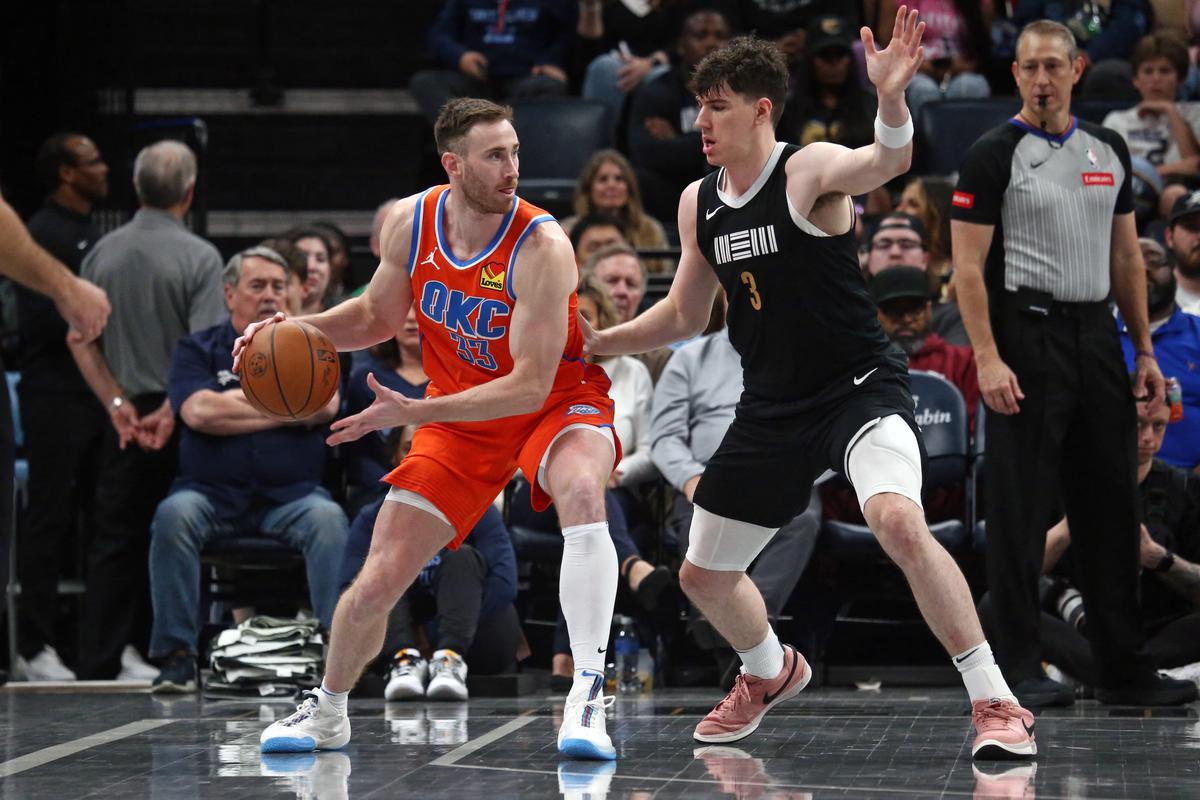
point(1183, 238)
point(906, 314)
point(1176, 337)
point(899, 240)
point(1044, 201)
point(832, 105)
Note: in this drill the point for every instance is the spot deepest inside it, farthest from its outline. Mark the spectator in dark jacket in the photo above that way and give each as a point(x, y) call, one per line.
point(663, 139)
point(500, 49)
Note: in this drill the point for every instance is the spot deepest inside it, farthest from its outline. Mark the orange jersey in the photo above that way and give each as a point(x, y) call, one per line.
point(464, 308)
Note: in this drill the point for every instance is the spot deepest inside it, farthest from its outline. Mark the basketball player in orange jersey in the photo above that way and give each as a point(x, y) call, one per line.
point(493, 279)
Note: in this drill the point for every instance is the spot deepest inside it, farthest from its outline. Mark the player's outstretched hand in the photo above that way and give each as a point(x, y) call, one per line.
point(243, 341)
point(389, 410)
point(892, 68)
point(591, 337)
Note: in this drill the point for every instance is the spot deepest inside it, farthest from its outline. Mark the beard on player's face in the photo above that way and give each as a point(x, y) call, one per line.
point(484, 195)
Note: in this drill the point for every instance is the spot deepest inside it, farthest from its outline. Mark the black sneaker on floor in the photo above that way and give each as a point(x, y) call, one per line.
point(1155, 690)
point(1043, 693)
point(178, 676)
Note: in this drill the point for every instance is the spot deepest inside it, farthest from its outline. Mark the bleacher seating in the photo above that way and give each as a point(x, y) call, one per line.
point(947, 129)
point(557, 138)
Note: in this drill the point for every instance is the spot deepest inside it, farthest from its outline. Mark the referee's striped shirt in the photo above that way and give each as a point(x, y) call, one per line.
point(1052, 200)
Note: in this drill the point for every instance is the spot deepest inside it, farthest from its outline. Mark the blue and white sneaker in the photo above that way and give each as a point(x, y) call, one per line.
point(314, 726)
point(582, 734)
point(585, 780)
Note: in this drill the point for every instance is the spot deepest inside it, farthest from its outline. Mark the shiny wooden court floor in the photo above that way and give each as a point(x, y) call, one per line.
point(898, 743)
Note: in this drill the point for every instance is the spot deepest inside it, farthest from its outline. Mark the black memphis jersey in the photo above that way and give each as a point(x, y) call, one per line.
point(799, 312)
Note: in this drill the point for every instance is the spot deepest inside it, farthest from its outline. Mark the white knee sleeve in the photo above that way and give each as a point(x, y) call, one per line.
point(884, 457)
point(725, 545)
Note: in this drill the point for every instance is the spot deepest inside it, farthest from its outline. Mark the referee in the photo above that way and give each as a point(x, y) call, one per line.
point(1045, 201)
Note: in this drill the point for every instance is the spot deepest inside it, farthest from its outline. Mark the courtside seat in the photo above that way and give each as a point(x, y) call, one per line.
point(250, 571)
point(942, 415)
point(947, 129)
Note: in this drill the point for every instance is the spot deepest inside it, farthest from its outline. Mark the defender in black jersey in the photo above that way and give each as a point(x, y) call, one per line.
point(823, 388)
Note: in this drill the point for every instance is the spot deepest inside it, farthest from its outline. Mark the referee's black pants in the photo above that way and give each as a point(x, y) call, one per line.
point(1072, 446)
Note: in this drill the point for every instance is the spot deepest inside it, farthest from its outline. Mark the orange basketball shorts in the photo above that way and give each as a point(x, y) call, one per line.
point(461, 467)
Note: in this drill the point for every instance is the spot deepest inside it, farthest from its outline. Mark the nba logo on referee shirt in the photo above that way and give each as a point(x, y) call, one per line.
point(745, 244)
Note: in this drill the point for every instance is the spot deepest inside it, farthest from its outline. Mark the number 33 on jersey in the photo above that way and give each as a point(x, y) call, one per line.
point(464, 307)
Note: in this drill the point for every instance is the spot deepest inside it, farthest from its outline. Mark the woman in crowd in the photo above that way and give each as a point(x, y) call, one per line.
point(607, 185)
point(928, 199)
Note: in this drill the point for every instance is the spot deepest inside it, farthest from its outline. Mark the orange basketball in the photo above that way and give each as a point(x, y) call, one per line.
point(289, 370)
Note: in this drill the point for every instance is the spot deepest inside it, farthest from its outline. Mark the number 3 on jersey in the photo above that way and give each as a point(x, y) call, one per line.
point(474, 351)
point(755, 297)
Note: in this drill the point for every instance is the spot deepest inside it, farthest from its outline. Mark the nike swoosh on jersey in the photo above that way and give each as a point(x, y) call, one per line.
point(858, 381)
point(712, 212)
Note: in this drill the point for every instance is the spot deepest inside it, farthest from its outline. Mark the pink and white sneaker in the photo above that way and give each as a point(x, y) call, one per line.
point(1004, 731)
point(738, 715)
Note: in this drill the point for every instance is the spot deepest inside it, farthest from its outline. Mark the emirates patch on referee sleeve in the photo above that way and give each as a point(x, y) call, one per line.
point(1098, 179)
point(963, 200)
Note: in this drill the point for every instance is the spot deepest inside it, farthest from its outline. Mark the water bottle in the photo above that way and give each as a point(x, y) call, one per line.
point(1175, 399)
point(626, 645)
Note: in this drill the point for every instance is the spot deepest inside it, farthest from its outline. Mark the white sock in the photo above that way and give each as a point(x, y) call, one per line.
point(334, 700)
point(587, 589)
point(982, 677)
point(765, 659)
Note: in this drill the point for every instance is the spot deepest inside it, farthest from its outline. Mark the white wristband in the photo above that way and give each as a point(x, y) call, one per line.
point(895, 138)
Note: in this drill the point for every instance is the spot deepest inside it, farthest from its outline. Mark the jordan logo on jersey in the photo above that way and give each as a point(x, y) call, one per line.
point(429, 259)
point(745, 244)
point(492, 276)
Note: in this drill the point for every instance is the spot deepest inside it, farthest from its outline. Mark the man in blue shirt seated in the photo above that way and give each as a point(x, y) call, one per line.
point(240, 473)
point(1176, 337)
point(466, 596)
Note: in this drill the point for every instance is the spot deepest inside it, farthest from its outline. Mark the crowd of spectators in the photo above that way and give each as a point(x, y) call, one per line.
point(166, 456)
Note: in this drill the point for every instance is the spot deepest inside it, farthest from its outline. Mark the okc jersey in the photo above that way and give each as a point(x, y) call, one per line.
point(464, 308)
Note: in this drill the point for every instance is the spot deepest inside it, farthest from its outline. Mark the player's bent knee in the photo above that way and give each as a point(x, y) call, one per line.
point(899, 525)
point(579, 496)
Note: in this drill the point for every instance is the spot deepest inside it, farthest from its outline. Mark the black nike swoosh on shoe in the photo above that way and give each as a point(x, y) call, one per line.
point(1028, 728)
point(768, 697)
point(959, 660)
point(601, 651)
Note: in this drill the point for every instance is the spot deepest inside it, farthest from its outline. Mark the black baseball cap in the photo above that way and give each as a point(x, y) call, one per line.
point(826, 33)
point(895, 283)
point(1188, 204)
point(898, 219)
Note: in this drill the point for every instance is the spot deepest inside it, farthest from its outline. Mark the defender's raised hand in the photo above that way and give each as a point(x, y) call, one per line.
point(892, 68)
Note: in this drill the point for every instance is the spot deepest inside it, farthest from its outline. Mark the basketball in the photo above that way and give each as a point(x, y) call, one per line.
point(289, 371)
